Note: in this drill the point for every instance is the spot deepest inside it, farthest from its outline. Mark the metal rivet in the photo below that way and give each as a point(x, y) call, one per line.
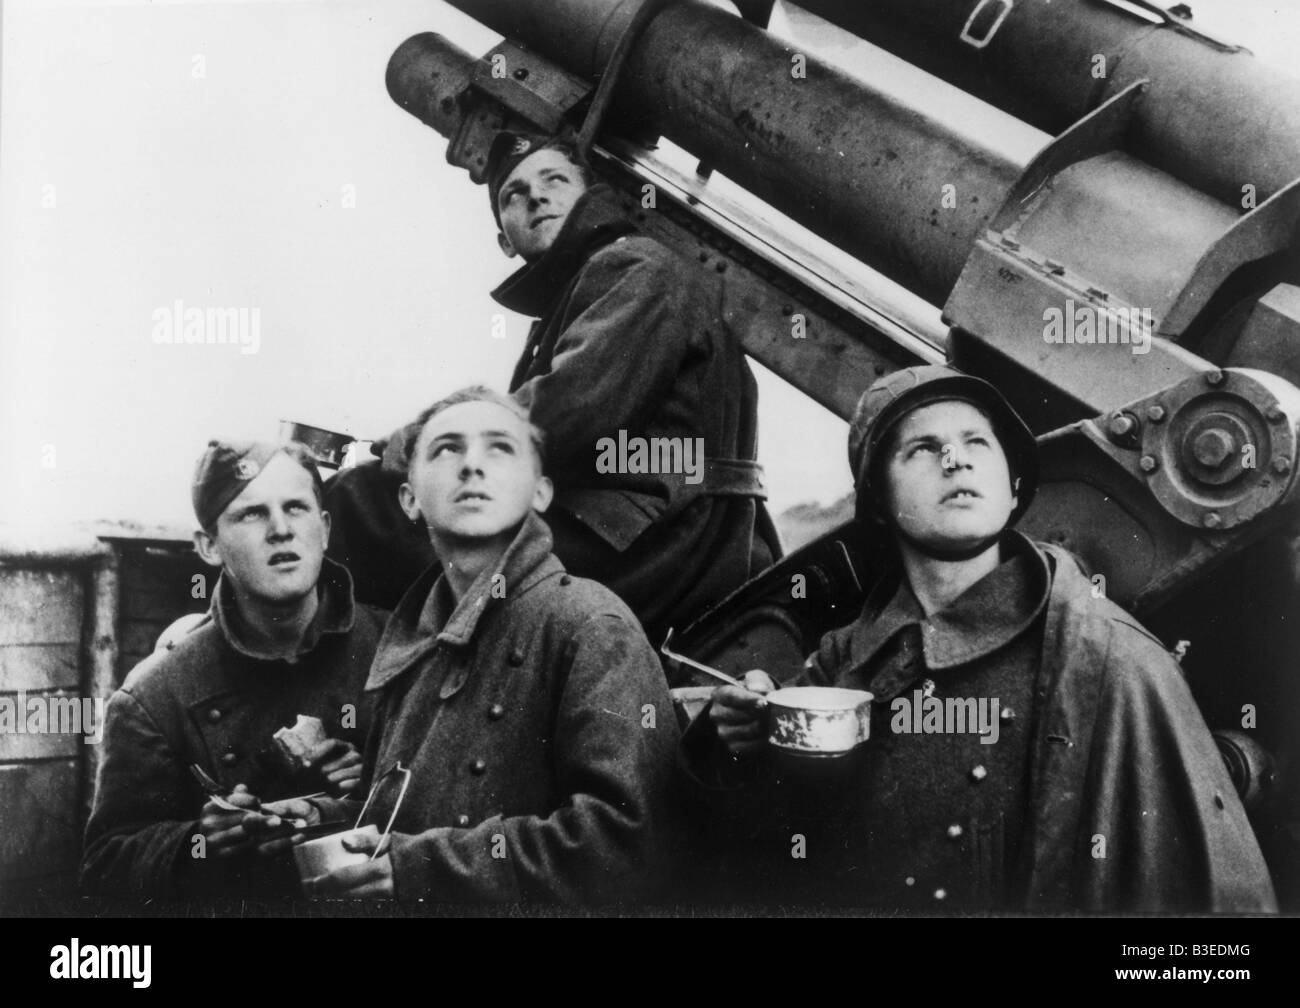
point(496, 712)
point(955, 831)
point(1211, 519)
point(941, 894)
point(978, 773)
point(478, 766)
point(909, 881)
point(1008, 714)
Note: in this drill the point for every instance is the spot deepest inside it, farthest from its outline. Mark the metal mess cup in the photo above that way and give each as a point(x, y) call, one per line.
point(803, 720)
point(327, 854)
point(818, 720)
point(326, 446)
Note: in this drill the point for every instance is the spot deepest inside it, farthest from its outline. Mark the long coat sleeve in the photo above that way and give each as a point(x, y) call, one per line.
point(1133, 808)
point(624, 332)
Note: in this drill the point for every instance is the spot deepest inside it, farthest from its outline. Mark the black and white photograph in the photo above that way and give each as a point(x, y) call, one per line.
point(651, 458)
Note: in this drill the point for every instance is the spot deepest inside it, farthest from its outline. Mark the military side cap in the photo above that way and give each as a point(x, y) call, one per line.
point(508, 149)
point(224, 469)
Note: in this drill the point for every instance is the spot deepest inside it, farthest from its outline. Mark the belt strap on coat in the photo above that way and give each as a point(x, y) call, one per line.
point(722, 477)
point(732, 478)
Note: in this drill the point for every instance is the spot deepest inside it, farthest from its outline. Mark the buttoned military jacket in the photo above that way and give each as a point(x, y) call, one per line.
point(631, 337)
point(1127, 803)
point(536, 723)
point(214, 701)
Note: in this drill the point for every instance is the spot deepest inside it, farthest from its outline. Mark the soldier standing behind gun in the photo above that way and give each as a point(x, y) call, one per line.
point(1096, 787)
point(629, 341)
point(630, 337)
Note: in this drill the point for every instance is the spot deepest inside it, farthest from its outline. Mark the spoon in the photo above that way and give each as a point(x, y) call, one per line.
point(706, 669)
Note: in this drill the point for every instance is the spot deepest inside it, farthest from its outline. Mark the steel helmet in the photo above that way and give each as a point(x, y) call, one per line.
point(892, 397)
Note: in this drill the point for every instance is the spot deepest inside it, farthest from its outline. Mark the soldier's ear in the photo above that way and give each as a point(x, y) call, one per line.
point(406, 498)
point(504, 244)
point(543, 493)
point(205, 545)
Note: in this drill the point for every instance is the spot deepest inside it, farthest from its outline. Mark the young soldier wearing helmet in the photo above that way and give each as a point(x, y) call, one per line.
point(1095, 786)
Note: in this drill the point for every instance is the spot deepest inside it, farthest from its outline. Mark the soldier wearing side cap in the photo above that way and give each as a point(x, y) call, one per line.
point(284, 639)
point(629, 337)
point(1098, 788)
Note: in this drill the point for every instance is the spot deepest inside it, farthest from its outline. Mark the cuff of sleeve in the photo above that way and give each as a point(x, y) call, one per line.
point(455, 865)
point(334, 810)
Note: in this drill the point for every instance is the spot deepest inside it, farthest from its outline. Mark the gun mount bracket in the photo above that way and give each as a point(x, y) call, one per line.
point(1223, 449)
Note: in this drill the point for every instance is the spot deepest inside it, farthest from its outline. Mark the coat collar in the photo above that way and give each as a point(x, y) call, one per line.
point(426, 617)
point(987, 616)
point(595, 221)
point(335, 612)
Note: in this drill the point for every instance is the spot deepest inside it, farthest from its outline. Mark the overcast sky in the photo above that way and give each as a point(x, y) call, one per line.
point(208, 153)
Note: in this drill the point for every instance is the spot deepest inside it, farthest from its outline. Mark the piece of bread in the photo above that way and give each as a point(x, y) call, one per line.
point(297, 742)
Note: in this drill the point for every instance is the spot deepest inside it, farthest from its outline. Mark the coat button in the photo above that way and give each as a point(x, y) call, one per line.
point(462, 821)
point(478, 766)
point(955, 831)
point(516, 656)
point(978, 773)
point(230, 759)
point(941, 894)
point(214, 715)
point(496, 712)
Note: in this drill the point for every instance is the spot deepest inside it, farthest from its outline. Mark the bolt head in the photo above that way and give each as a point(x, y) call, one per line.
point(1211, 519)
point(1281, 465)
point(1214, 377)
point(1212, 447)
point(1156, 414)
point(1121, 425)
point(1149, 463)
